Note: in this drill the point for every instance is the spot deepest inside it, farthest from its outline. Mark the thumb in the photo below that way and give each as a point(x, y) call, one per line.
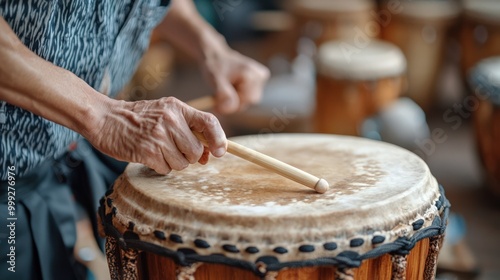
point(226, 97)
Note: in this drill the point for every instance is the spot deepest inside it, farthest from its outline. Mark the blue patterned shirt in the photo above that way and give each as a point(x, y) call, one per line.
point(98, 40)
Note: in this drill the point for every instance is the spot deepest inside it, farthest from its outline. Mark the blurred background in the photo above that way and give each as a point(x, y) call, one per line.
point(419, 74)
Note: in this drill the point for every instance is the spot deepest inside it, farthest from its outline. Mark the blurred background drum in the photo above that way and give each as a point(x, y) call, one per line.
point(355, 82)
point(480, 36)
point(421, 29)
point(324, 20)
point(485, 81)
point(231, 219)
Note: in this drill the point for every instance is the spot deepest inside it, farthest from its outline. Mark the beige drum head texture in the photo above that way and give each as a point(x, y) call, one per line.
point(430, 9)
point(485, 10)
point(368, 60)
point(380, 195)
point(317, 8)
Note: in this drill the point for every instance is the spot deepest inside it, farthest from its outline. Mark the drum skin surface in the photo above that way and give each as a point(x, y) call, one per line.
point(382, 199)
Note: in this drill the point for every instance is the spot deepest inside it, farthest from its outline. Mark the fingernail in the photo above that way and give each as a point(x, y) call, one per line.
point(219, 152)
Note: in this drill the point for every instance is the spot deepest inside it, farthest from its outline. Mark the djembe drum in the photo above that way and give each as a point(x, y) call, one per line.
point(485, 81)
point(384, 213)
point(421, 30)
point(480, 35)
point(354, 83)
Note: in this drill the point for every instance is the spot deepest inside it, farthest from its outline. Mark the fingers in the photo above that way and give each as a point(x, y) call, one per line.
point(173, 157)
point(159, 134)
point(160, 167)
point(204, 157)
point(187, 144)
point(241, 86)
point(226, 97)
point(209, 126)
point(251, 84)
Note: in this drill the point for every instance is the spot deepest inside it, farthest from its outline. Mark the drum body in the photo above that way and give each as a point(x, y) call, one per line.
point(384, 215)
point(480, 35)
point(421, 31)
point(355, 83)
point(325, 20)
point(485, 80)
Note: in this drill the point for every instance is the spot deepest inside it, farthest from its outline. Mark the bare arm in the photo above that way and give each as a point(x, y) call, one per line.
point(156, 133)
point(38, 86)
point(237, 80)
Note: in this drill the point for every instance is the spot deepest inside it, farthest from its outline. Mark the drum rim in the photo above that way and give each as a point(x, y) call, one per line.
point(478, 11)
point(440, 10)
point(401, 246)
point(303, 8)
point(335, 67)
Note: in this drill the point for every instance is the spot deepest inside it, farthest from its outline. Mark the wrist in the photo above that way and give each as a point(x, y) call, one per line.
point(211, 44)
point(97, 107)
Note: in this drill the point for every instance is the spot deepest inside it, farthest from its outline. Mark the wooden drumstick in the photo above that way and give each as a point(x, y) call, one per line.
point(320, 185)
point(204, 103)
point(279, 167)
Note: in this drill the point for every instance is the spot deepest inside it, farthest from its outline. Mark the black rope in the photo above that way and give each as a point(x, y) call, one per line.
point(346, 259)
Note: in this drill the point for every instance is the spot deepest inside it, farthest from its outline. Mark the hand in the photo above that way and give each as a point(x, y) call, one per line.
point(158, 133)
point(237, 80)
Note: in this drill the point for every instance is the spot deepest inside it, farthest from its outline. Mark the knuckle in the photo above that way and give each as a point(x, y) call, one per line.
point(172, 120)
point(211, 121)
point(195, 154)
point(170, 100)
point(158, 131)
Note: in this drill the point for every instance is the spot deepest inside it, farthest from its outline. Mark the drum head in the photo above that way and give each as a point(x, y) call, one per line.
point(373, 60)
point(329, 8)
point(379, 193)
point(485, 79)
point(430, 9)
point(483, 10)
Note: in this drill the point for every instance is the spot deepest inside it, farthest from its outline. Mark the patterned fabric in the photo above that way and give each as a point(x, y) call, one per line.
point(95, 39)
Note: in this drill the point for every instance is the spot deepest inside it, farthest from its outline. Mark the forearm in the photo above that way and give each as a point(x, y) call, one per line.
point(157, 133)
point(184, 28)
point(36, 85)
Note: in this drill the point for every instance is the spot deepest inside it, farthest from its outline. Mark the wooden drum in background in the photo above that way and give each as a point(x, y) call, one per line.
point(421, 30)
point(480, 36)
point(485, 81)
point(230, 219)
point(354, 83)
point(324, 20)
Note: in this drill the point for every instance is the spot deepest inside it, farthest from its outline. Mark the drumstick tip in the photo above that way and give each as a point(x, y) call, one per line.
point(321, 186)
